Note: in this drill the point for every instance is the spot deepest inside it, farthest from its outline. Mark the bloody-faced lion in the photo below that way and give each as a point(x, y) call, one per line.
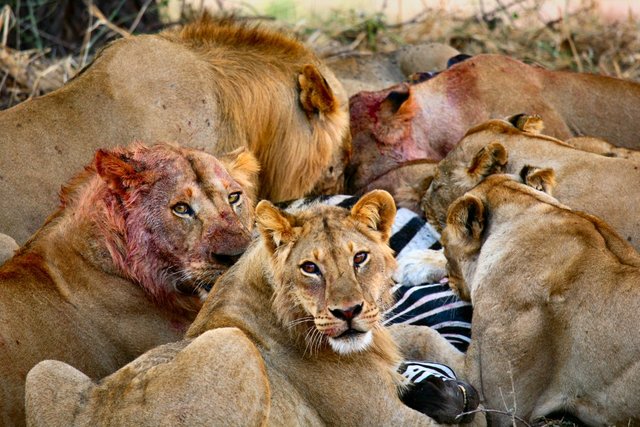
point(213, 84)
point(585, 180)
point(555, 296)
point(118, 269)
point(425, 120)
point(305, 303)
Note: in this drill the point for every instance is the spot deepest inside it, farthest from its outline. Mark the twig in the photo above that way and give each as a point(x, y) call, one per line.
point(34, 25)
point(141, 12)
point(413, 20)
point(102, 20)
point(5, 16)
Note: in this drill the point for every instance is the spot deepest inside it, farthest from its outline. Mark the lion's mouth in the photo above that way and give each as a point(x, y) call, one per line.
point(351, 341)
point(351, 332)
point(199, 282)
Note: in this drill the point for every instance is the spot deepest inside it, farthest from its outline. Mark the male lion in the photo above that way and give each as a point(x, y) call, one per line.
point(117, 269)
point(599, 184)
point(305, 303)
point(555, 296)
point(213, 84)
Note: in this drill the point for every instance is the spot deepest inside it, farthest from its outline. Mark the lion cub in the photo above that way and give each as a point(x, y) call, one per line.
point(555, 295)
point(304, 308)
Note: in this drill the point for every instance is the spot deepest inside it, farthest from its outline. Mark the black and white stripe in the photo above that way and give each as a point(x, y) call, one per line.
point(417, 371)
point(428, 304)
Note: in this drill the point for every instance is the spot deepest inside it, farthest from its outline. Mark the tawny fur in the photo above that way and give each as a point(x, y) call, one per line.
point(555, 296)
point(427, 119)
point(272, 362)
point(114, 271)
point(8, 247)
point(213, 84)
point(173, 385)
point(360, 72)
point(588, 181)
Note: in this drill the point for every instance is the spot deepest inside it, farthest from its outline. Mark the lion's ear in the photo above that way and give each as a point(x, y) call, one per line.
point(531, 123)
point(244, 168)
point(376, 210)
point(275, 226)
point(400, 103)
point(117, 171)
point(489, 160)
point(542, 179)
point(316, 96)
point(465, 220)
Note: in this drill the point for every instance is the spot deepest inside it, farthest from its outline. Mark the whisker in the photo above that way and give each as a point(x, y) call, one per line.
point(299, 321)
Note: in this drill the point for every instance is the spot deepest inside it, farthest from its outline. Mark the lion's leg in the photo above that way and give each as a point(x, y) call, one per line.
point(218, 378)
point(53, 393)
point(423, 343)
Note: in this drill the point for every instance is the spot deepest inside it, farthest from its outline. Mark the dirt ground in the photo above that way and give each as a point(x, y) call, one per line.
point(590, 36)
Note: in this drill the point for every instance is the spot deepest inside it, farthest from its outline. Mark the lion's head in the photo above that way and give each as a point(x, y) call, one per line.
point(455, 176)
point(466, 224)
point(333, 267)
point(170, 218)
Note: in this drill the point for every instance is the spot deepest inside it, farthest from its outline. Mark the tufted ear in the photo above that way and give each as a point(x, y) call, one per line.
point(117, 171)
point(243, 167)
point(275, 226)
point(376, 210)
point(489, 160)
point(316, 96)
point(465, 220)
point(539, 178)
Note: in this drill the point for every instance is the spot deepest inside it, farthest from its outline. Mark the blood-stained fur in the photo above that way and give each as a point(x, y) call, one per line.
point(299, 338)
point(216, 85)
point(425, 120)
point(119, 267)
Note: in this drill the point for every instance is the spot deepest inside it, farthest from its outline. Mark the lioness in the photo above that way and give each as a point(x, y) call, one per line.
point(117, 269)
point(359, 72)
point(308, 296)
point(213, 84)
point(587, 181)
point(426, 120)
point(555, 294)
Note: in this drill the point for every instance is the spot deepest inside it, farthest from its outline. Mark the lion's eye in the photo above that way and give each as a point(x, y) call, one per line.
point(359, 259)
point(183, 210)
point(234, 198)
point(310, 268)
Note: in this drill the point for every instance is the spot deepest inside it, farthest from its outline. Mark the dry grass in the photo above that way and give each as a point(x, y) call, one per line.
point(580, 41)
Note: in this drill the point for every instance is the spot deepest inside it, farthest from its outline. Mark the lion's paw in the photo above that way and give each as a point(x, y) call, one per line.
point(419, 267)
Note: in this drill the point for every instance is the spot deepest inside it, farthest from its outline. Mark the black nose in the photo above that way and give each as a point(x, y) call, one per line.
point(225, 260)
point(348, 313)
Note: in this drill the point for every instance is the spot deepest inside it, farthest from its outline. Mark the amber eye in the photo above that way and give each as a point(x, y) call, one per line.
point(360, 258)
point(234, 198)
point(309, 268)
point(183, 210)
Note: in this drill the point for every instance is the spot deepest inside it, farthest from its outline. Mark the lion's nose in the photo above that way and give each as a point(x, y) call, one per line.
point(347, 314)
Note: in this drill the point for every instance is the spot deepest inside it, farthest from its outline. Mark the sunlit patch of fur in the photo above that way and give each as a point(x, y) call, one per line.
point(298, 150)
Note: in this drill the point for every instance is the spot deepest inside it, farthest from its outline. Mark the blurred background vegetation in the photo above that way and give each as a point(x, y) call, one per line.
point(43, 43)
